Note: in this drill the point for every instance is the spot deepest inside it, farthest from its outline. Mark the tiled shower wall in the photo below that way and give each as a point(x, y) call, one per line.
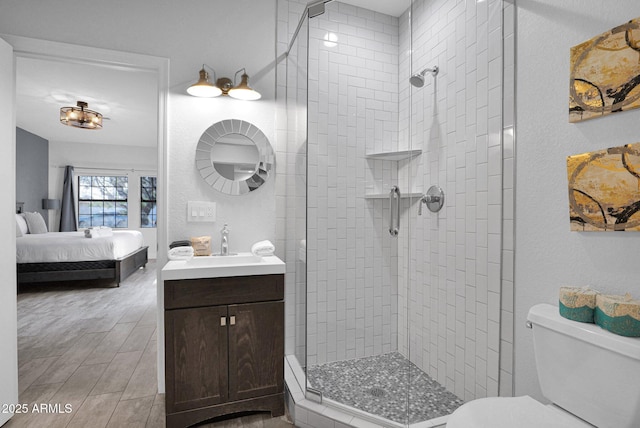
point(455, 257)
point(353, 110)
point(351, 258)
point(452, 306)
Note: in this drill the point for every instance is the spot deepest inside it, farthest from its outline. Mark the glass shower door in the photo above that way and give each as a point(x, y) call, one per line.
point(296, 115)
point(357, 207)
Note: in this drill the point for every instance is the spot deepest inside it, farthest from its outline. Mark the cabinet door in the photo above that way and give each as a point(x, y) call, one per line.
point(196, 357)
point(256, 350)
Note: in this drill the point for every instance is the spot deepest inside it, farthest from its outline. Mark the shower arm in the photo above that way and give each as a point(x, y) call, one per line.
point(434, 71)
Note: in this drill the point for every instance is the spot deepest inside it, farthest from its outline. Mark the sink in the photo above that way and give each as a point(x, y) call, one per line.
point(233, 259)
point(241, 264)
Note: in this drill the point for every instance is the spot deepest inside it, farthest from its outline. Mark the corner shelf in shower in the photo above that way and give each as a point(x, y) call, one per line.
point(386, 195)
point(397, 155)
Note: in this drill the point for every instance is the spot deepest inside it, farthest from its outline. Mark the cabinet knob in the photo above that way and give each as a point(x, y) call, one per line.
point(232, 320)
point(223, 321)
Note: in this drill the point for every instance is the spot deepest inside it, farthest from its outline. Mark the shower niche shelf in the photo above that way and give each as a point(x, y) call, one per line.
point(397, 155)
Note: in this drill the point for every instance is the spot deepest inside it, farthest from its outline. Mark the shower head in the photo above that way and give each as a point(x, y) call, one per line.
point(417, 80)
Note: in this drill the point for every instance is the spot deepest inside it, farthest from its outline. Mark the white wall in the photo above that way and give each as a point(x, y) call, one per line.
point(251, 217)
point(548, 255)
point(96, 159)
point(8, 322)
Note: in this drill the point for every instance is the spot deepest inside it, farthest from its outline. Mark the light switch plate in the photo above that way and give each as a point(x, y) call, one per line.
point(201, 211)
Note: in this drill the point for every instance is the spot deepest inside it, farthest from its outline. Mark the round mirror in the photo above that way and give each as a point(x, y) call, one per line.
point(234, 157)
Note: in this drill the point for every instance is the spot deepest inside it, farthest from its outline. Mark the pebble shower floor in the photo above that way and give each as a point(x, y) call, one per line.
point(384, 385)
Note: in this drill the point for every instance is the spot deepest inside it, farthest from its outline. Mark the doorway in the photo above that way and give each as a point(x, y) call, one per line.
point(28, 50)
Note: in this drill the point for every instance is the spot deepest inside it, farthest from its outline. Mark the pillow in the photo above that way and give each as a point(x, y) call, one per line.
point(21, 226)
point(35, 222)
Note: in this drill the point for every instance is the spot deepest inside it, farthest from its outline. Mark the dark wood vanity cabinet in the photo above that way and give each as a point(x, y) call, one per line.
point(224, 347)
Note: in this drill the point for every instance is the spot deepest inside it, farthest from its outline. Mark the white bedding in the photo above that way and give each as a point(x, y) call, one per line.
point(74, 247)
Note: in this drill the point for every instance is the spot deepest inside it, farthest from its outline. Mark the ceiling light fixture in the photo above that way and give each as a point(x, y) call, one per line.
point(81, 117)
point(223, 86)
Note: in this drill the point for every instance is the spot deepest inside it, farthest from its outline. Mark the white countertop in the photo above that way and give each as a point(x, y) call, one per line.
point(242, 264)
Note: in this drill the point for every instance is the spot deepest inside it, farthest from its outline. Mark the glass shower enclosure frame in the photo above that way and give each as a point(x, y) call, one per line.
point(385, 295)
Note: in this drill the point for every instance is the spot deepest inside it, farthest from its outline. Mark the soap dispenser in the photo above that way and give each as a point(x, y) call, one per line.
point(224, 241)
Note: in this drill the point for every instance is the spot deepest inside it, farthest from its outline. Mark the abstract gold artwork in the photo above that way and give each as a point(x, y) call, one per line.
point(605, 73)
point(604, 189)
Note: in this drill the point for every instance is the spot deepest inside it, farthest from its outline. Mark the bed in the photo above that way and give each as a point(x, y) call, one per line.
point(65, 256)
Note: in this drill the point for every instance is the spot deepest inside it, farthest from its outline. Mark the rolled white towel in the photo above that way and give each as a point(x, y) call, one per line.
point(263, 248)
point(181, 253)
point(98, 232)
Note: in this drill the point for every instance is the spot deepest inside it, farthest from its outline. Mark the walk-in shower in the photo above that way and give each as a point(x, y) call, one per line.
point(393, 316)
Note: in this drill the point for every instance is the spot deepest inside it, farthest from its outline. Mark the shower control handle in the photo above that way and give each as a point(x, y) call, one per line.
point(433, 199)
point(428, 199)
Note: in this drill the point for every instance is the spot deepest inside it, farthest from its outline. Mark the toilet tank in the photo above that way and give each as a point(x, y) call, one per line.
point(586, 370)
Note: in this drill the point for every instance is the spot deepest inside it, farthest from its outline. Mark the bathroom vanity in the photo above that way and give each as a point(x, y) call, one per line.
point(224, 337)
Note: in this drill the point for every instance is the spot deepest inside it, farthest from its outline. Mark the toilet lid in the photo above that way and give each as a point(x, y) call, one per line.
point(509, 412)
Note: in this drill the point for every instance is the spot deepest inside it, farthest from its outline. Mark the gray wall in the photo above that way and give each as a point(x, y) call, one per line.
point(32, 171)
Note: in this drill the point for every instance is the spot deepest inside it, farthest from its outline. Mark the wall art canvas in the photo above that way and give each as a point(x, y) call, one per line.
point(605, 73)
point(604, 189)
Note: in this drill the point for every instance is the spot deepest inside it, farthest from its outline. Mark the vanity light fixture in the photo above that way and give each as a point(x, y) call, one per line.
point(203, 88)
point(223, 86)
point(81, 117)
point(243, 91)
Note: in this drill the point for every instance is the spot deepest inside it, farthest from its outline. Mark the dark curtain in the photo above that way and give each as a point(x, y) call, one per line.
point(68, 213)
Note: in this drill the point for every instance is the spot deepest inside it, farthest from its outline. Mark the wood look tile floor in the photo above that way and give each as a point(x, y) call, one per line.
point(92, 348)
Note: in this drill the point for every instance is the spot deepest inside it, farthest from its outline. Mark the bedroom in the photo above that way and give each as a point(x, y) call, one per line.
point(125, 149)
point(126, 146)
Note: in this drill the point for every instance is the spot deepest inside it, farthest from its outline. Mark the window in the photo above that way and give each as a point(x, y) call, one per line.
point(102, 201)
point(148, 207)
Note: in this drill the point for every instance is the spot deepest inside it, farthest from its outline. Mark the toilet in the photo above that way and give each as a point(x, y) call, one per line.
point(591, 377)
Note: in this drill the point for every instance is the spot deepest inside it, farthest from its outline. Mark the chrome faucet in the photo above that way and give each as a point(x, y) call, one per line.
point(224, 242)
